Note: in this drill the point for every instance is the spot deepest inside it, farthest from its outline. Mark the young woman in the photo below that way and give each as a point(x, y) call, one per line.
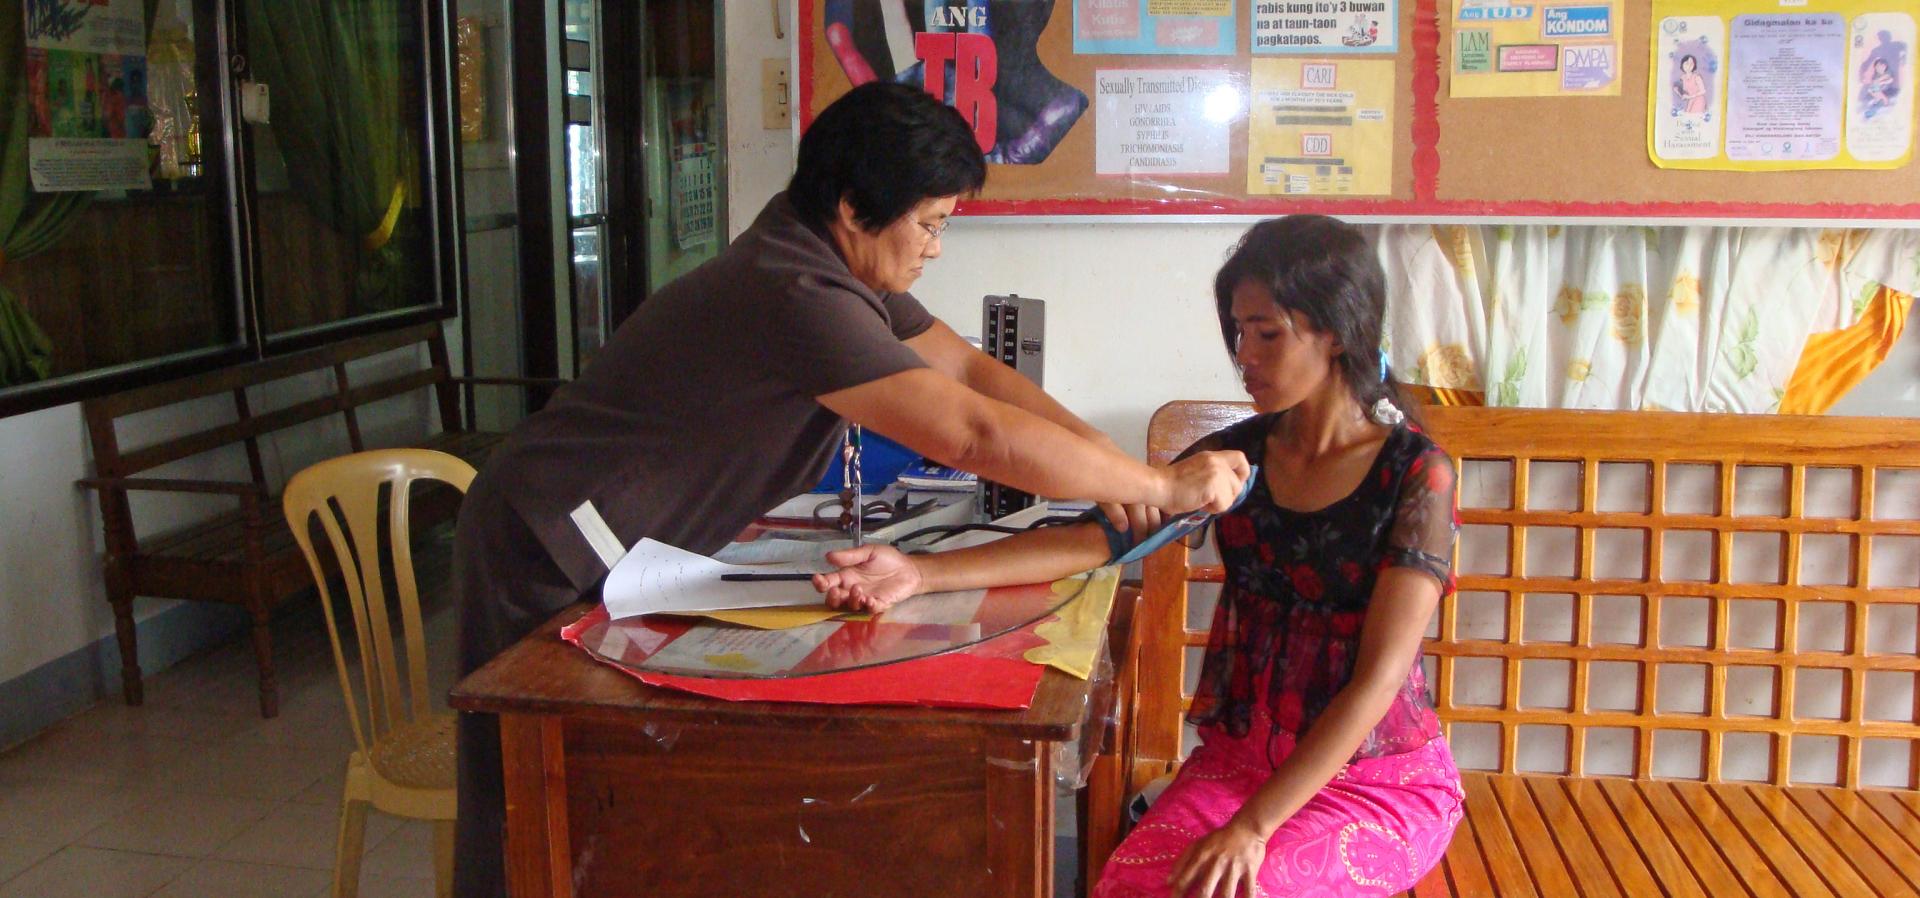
point(1691, 89)
point(1321, 769)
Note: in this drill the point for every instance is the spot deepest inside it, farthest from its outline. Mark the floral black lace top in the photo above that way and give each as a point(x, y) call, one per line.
point(1286, 631)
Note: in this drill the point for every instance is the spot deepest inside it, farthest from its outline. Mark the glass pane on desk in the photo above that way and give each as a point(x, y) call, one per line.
point(916, 628)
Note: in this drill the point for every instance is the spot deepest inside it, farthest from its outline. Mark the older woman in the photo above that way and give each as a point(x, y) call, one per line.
point(729, 390)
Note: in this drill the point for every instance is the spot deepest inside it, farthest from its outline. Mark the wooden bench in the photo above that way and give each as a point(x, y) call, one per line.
point(1752, 771)
point(246, 556)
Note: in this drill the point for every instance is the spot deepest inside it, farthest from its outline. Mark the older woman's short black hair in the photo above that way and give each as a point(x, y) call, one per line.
point(884, 147)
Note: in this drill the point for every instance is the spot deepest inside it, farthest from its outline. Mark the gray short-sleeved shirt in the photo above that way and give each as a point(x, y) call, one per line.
point(699, 413)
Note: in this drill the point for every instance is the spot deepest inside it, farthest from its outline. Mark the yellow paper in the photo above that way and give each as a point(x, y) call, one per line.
point(1524, 48)
point(777, 618)
point(1189, 7)
point(1321, 127)
point(1847, 63)
point(1074, 636)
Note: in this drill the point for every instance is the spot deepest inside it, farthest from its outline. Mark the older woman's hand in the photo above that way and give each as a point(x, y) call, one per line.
point(1205, 481)
point(869, 578)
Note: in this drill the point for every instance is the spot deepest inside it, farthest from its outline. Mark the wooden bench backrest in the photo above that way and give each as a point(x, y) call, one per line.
point(1523, 445)
point(103, 412)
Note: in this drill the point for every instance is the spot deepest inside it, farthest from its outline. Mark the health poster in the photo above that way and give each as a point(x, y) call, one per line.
point(1150, 122)
point(981, 58)
point(1501, 48)
point(1152, 27)
point(1880, 100)
point(1688, 92)
point(86, 78)
point(1321, 127)
point(1824, 85)
point(1320, 27)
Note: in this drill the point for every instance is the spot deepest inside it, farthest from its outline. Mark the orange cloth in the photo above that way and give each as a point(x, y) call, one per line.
point(1443, 395)
point(1835, 361)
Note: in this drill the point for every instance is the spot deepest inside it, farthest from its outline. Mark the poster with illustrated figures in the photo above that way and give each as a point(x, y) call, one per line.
point(1491, 110)
point(86, 79)
point(1819, 85)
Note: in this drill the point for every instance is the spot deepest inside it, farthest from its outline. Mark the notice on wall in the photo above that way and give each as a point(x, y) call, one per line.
point(1321, 127)
point(691, 195)
point(1689, 87)
point(1154, 27)
point(86, 80)
point(1880, 99)
point(1326, 26)
point(1151, 122)
point(1829, 85)
point(1786, 87)
point(1502, 48)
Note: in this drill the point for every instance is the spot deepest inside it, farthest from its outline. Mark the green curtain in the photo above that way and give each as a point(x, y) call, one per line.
point(336, 76)
point(29, 222)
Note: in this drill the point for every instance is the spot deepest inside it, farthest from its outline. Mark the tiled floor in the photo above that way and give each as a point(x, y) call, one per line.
point(193, 795)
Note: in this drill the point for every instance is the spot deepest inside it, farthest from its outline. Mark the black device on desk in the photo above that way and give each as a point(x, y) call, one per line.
point(1014, 331)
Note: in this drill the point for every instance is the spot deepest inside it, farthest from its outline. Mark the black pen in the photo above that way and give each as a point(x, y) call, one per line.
point(751, 578)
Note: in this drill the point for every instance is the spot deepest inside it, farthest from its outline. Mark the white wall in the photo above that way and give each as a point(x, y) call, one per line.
point(52, 598)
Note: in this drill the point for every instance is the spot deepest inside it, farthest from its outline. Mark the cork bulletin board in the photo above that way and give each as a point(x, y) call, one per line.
point(1513, 158)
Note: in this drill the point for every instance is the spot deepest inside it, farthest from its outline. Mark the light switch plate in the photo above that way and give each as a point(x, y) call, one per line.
point(776, 95)
point(254, 106)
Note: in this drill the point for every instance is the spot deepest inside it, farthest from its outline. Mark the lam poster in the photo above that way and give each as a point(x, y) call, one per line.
point(1527, 49)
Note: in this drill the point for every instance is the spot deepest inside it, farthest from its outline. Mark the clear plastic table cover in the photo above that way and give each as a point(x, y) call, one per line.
point(916, 628)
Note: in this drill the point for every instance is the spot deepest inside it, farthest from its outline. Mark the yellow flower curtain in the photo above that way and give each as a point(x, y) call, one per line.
point(1605, 317)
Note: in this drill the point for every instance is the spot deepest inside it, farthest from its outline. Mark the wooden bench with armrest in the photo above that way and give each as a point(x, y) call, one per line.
point(246, 556)
point(1743, 817)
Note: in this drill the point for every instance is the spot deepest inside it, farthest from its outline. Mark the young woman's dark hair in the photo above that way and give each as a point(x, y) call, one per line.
point(884, 147)
point(1324, 269)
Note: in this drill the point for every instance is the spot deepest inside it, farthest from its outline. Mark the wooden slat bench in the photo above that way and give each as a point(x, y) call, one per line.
point(1749, 772)
point(246, 556)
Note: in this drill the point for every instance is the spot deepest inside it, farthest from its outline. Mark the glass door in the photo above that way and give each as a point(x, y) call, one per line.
point(586, 120)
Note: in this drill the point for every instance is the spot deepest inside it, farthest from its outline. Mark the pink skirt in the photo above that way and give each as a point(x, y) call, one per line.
point(1375, 829)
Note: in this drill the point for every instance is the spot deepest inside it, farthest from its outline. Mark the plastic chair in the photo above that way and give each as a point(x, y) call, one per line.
point(403, 760)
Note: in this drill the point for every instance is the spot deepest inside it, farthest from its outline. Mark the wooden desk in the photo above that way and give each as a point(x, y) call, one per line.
point(614, 786)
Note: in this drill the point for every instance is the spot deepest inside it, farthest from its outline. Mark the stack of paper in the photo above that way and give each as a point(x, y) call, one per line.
point(655, 578)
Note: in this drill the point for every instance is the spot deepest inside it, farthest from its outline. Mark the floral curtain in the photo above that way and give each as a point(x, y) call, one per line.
point(1615, 317)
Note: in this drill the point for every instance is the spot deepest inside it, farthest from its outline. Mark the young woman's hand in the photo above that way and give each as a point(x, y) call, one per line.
point(1223, 864)
point(870, 578)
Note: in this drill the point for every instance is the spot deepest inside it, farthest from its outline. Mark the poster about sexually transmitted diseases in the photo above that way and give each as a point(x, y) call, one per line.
point(980, 56)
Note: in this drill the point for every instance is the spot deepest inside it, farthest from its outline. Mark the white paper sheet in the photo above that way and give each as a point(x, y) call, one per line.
point(654, 577)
